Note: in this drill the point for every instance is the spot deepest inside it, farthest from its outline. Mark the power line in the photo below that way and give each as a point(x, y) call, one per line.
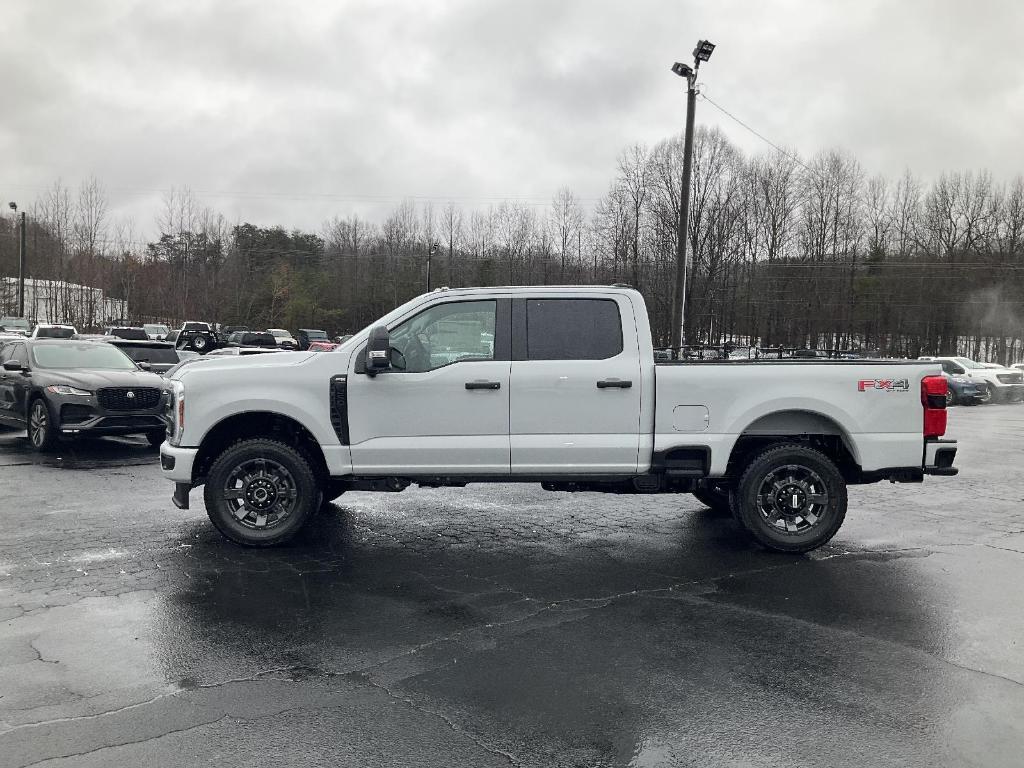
point(759, 135)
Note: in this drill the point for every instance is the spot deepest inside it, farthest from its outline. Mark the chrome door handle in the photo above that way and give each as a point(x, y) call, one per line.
point(483, 385)
point(614, 384)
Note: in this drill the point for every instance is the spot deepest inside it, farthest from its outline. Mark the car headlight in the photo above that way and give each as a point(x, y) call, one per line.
point(64, 389)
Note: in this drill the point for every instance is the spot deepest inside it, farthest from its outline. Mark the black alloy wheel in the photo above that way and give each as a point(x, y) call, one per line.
point(791, 498)
point(261, 492)
point(42, 432)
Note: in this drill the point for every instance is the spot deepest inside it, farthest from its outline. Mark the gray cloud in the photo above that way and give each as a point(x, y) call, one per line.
point(288, 113)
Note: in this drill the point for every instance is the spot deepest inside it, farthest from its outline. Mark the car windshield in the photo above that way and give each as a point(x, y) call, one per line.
point(316, 335)
point(967, 363)
point(143, 352)
point(278, 333)
point(156, 329)
point(89, 355)
point(55, 332)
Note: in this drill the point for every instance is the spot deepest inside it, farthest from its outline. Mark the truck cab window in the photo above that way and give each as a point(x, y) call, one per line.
point(445, 334)
point(573, 329)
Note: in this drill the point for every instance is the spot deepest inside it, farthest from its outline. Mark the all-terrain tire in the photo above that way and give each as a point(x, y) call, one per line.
point(258, 473)
point(199, 343)
point(791, 498)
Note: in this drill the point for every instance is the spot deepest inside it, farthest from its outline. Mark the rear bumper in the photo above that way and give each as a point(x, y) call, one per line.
point(939, 456)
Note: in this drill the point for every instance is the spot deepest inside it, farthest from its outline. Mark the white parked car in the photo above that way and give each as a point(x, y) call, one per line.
point(53, 331)
point(284, 339)
point(1005, 384)
point(551, 385)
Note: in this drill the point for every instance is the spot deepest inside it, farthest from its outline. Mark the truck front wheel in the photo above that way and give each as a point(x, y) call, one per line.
point(260, 492)
point(791, 498)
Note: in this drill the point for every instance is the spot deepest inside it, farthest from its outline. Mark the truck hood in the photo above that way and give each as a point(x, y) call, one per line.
point(242, 363)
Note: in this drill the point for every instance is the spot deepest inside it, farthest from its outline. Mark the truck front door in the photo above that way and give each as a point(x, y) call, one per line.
point(576, 386)
point(443, 408)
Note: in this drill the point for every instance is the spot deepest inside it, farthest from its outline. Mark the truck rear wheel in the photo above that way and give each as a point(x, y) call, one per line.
point(791, 498)
point(260, 492)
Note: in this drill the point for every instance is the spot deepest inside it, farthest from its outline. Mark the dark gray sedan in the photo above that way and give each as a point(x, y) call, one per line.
point(57, 388)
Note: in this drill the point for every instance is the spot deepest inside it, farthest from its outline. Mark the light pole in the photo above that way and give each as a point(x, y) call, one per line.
point(701, 53)
point(21, 261)
point(430, 252)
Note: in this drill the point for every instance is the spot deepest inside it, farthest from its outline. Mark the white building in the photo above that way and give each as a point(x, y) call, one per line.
point(54, 301)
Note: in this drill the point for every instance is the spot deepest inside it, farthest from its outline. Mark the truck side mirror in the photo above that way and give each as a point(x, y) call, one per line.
point(12, 365)
point(378, 350)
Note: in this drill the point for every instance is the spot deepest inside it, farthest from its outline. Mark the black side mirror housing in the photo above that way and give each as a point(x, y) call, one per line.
point(378, 350)
point(12, 365)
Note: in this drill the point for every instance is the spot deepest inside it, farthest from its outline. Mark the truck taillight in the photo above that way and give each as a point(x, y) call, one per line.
point(934, 390)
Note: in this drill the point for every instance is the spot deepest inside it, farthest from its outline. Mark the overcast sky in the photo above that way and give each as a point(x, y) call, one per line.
point(289, 113)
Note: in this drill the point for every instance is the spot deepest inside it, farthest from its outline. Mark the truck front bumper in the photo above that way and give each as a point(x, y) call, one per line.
point(939, 456)
point(176, 463)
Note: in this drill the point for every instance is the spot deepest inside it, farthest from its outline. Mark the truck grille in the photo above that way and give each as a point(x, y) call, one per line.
point(128, 398)
point(1010, 378)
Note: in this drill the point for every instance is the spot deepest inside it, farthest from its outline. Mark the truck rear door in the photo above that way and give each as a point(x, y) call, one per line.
point(575, 386)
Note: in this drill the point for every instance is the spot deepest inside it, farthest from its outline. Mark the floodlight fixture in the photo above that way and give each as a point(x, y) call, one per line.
point(703, 50)
point(13, 207)
point(683, 70)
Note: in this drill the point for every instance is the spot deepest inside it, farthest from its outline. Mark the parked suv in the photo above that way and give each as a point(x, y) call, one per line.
point(306, 335)
point(17, 325)
point(252, 339)
point(1004, 384)
point(59, 388)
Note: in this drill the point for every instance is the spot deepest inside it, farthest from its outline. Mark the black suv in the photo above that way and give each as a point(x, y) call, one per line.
point(252, 339)
point(199, 337)
point(62, 388)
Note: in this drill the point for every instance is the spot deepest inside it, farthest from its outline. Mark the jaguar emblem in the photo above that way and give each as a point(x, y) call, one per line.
point(130, 395)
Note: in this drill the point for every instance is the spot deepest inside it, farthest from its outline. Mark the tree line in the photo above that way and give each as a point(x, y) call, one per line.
point(783, 251)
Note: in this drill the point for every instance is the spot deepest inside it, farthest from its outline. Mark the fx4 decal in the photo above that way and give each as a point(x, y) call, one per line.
point(889, 385)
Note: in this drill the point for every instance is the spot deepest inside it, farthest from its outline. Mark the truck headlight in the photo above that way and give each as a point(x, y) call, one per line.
point(177, 413)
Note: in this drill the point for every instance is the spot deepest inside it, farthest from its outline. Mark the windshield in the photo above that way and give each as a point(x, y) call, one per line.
point(154, 329)
point(316, 335)
point(278, 333)
point(95, 356)
point(55, 332)
point(140, 353)
point(967, 363)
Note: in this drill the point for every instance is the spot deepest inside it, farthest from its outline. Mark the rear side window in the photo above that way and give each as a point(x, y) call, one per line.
point(572, 329)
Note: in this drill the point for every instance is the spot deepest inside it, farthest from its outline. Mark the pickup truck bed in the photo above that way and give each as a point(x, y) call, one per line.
point(550, 385)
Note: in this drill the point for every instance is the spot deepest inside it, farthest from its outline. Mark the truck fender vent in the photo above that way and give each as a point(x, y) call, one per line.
point(339, 407)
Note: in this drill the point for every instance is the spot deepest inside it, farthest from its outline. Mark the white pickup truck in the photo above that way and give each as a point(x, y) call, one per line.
point(551, 385)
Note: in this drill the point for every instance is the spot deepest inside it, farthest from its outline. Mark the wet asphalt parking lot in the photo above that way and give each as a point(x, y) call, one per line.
point(504, 625)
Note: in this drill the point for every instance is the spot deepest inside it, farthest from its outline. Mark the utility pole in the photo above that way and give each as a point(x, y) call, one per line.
point(678, 328)
point(21, 269)
point(430, 252)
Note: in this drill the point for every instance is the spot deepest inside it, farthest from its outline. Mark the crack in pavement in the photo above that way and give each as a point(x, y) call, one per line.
point(455, 727)
point(125, 743)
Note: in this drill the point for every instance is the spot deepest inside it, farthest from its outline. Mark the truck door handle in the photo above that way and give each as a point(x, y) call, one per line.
point(483, 385)
point(614, 384)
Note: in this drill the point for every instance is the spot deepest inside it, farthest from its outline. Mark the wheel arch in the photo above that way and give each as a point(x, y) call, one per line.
point(252, 424)
point(801, 426)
